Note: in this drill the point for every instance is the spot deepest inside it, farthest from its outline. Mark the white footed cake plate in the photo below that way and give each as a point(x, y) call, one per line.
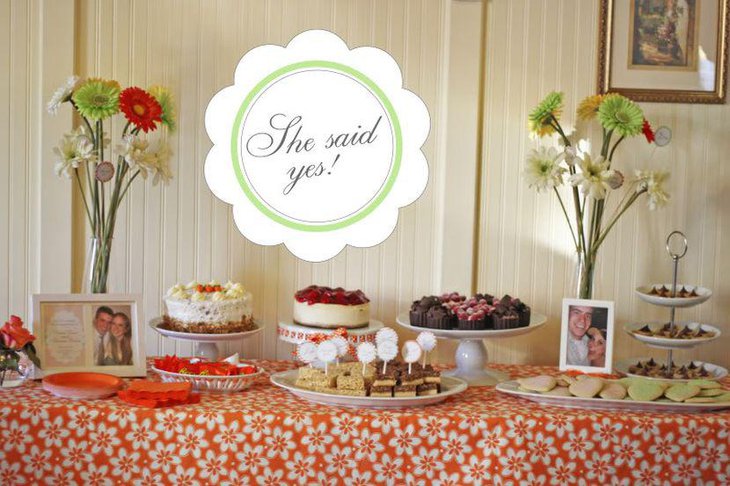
point(205, 344)
point(471, 355)
point(662, 342)
point(450, 386)
point(716, 372)
point(644, 293)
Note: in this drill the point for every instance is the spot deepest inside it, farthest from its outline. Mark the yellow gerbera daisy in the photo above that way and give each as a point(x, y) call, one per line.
point(164, 98)
point(588, 108)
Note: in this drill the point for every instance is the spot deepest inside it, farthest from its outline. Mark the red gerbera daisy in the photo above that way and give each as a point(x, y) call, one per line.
point(648, 132)
point(140, 108)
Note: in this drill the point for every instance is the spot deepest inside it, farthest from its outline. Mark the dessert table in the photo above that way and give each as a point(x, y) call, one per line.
point(266, 435)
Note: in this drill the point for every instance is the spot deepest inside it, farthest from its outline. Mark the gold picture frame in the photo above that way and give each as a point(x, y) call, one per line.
point(671, 51)
point(100, 333)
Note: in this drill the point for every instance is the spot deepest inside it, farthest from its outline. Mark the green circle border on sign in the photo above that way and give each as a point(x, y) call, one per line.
point(389, 182)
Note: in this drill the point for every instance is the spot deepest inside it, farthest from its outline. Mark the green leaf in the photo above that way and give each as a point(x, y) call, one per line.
point(31, 353)
point(10, 364)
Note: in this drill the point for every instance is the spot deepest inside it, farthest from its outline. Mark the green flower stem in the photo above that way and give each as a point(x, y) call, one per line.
point(613, 150)
point(576, 197)
point(607, 135)
point(567, 218)
point(100, 135)
point(129, 182)
point(556, 125)
point(83, 194)
point(615, 219)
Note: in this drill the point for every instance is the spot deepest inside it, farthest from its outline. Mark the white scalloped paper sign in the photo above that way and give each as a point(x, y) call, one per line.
point(316, 146)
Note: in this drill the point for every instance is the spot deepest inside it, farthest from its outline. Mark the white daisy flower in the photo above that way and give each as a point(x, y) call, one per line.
point(149, 159)
point(160, 155)
point(594, 177)
point(543, 169)
point(652, 182)
point(134, 151)
point(74, 149)
point(62, 94)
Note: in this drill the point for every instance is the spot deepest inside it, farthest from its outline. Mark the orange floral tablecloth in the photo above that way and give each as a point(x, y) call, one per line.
point(265, 435)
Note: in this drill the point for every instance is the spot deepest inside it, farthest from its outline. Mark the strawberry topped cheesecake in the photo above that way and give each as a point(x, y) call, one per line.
point(208, 308)
point(330, 308)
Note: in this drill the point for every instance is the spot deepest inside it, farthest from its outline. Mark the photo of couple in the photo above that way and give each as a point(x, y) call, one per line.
point(112, 337)
point(586, 343)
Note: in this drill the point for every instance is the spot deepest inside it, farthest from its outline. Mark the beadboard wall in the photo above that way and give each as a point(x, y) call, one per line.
point(35, 208)
point(182, 232)
point(532, 49)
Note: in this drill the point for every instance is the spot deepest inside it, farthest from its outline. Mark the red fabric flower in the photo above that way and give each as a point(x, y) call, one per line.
point(648, 132)
point(140, 108)
point(14, 335)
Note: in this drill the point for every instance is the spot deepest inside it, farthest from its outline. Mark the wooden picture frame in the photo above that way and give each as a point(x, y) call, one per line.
point(88, 332)
point(586, 336)
point(672, 51)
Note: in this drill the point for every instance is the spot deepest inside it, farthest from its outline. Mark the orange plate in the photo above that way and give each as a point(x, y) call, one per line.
point(87, 386)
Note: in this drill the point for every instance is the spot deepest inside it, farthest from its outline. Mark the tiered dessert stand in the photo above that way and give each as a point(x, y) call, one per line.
point(667, 343)
point(206, 345)
point(292, 333)
point(471, 355)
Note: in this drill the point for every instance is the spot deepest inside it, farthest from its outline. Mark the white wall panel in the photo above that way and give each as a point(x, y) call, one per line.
point(36, 44)
point(525, 249)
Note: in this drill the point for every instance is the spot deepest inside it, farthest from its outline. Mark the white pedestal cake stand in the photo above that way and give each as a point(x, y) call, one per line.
point(206, 345)
point(471, 355)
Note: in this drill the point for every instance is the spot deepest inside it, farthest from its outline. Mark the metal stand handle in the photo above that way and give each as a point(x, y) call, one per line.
point(676, 256)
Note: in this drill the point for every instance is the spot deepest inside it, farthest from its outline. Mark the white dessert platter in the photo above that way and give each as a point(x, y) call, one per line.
point(702, 295)
point(471, 355)
point(206, 345)
point(716, 372)
point(450, 386)
point(512, 388)
point(671, 343)
point(224, 384)
point(298, 334)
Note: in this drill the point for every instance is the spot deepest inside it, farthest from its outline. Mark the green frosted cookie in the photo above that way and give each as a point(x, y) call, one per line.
point(682, 392)
point(725, 397)
point(700, 400)
point(587, 387)
point(542, 383)
point(645, 391)
point(711, 392)
point(705, 384)
point(627, 381)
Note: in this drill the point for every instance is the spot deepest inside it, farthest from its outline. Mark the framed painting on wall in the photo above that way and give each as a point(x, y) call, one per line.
point(664, 50)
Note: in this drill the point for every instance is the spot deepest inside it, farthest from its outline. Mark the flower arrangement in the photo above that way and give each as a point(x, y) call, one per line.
point(84, 154)
point(592, 179)
point(15, 339)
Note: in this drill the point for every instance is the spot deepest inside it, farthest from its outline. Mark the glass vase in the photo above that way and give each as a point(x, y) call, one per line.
point(14, 378)
point(584, 273)
point(96, 269)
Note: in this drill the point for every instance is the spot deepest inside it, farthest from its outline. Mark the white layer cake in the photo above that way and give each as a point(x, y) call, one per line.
point(208, 308)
